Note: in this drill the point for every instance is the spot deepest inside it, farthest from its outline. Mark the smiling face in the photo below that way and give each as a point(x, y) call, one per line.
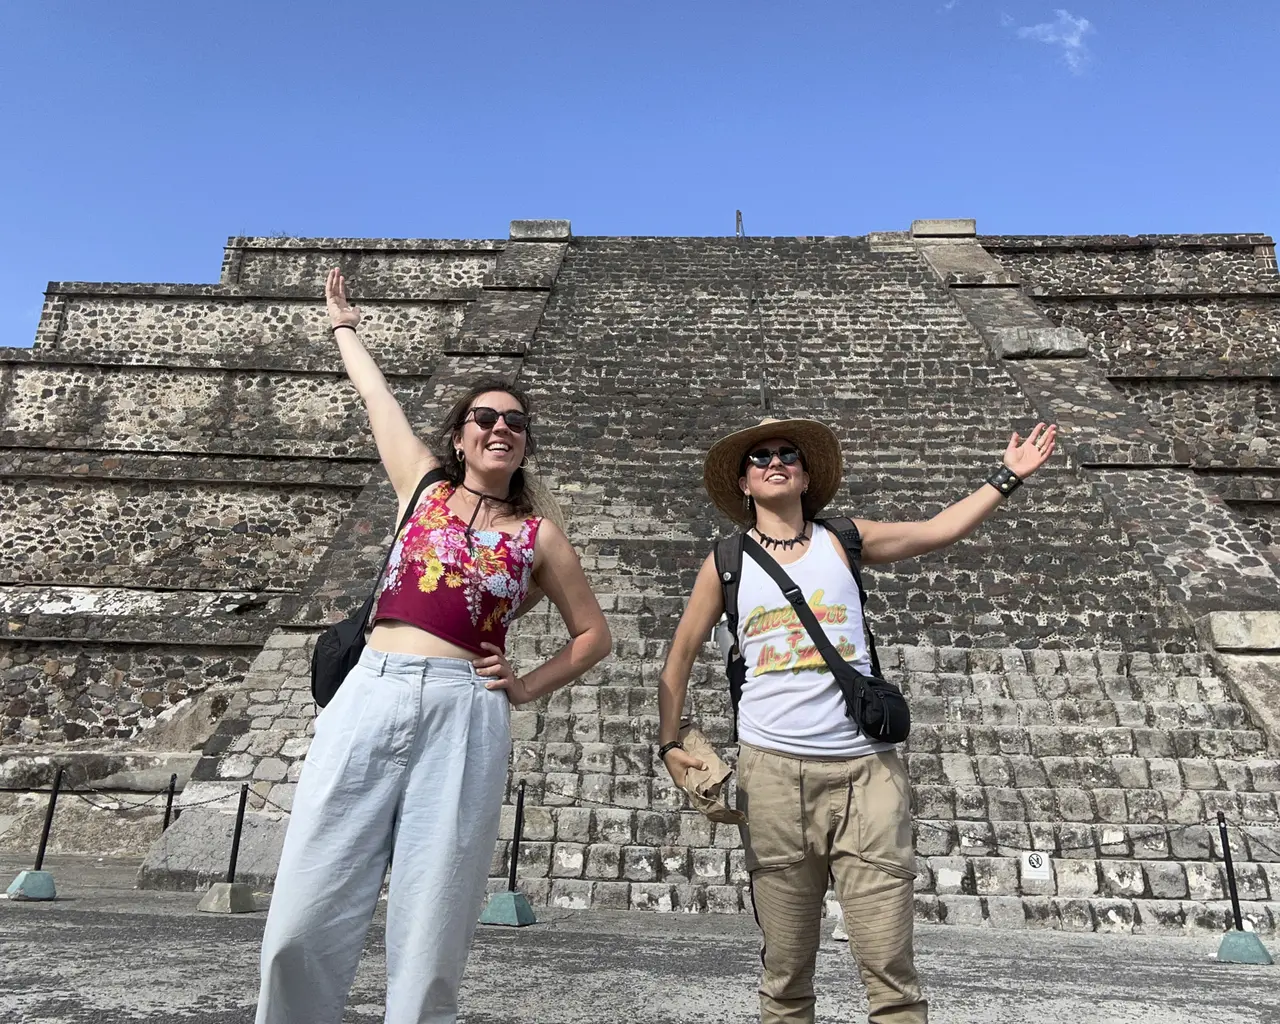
point(493, 449)
point(776, 483)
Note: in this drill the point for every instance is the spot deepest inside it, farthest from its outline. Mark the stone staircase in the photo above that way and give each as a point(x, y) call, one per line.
point(1104, 739)
point(1114, 766)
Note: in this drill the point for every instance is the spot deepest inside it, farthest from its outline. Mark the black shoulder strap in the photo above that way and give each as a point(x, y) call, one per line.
point(728, 559)
point(433, 477)
point(728, 555)
point(851, 540)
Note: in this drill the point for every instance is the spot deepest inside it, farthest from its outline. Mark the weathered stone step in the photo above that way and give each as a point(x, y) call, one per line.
point(1102, 914)
point(1200, 880)
point(620, 716)
point(1081, 741)
point(619, 697)
point(1101, 713)
point(1087, 692)
point(692, 894)
point(986, 678)
point(1086, 805)
point(1256, 774)
point(1112, 700)
point(1252, 839)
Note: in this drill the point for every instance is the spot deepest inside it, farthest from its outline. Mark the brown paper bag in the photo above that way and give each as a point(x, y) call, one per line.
point(706, 786)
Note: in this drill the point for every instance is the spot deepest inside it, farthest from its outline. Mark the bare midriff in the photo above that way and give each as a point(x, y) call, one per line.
point(395, 637)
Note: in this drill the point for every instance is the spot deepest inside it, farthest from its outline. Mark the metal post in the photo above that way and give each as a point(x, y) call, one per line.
point(515, 839)
point(235, 838)
point(1231, 871)
point(168, 804)
point(48, 816)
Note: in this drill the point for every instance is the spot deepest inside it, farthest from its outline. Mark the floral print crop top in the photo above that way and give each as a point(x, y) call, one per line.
point(462, 586)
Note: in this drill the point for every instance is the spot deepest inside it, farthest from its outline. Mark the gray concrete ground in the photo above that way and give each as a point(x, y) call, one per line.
point(108, 954)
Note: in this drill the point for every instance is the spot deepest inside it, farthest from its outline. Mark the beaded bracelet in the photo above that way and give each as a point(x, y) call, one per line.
point(1005, 480)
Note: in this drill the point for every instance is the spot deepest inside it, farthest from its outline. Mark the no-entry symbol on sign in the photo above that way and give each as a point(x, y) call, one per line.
point(1035, 867)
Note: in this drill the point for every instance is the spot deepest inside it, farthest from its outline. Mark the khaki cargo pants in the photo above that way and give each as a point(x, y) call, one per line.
point(850, 819)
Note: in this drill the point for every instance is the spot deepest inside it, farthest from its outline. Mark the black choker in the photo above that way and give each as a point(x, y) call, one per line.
point(482, 495)
point(785, 545)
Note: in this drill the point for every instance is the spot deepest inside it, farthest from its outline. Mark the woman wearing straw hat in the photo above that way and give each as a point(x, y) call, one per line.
point(821, 797)
point(410, 756)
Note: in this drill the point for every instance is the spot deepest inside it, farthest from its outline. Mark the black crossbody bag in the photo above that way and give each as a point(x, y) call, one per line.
point(876, 706)
point(338, 647)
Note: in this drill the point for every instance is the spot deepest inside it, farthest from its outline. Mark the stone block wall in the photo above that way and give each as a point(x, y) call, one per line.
point(390, 269)
point(149, 533)
point(1066, 698)
point(197, 448)
point(1123, 264)
point(1186, 330)
point(54, 692)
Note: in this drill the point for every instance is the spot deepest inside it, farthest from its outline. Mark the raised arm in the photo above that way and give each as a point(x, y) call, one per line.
point(890, 542)
point(404, 457)
point(706, 605)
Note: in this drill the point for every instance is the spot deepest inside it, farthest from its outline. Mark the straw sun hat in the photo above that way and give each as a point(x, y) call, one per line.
point(820, 446)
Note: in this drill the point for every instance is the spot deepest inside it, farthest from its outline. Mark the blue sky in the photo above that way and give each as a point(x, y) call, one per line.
point(138, 136)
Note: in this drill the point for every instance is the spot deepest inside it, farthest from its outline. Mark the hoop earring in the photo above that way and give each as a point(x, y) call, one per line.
point(524, 462)
point(460, 455)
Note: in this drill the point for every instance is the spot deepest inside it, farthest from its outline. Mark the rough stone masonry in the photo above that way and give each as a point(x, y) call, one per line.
point(191, 494)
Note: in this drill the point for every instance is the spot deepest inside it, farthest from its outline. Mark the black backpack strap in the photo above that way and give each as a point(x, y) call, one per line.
point(728, 555)
point(433, 477)
point(851, 540)
point(728, 559)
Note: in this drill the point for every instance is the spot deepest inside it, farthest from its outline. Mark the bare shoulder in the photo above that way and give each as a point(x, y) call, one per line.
point(552, 544)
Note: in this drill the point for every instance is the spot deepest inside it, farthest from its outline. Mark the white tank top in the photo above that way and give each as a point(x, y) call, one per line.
point(790, 700)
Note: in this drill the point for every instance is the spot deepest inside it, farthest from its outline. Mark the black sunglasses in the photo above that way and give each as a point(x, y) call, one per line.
point(761, 457)
point(486, 418)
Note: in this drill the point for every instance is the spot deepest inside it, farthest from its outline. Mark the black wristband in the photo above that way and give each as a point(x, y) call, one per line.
point(350, 327)
point(1005, 480)
point(666, 748)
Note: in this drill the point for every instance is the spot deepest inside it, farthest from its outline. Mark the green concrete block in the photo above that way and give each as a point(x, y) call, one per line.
point(32, 885)
point(508, 908)
point(1243, 948)
point(228, 898)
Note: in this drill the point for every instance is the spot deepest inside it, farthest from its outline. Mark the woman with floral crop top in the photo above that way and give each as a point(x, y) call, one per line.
point(410, 757)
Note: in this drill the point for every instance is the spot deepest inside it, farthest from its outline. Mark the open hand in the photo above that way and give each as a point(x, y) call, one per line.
point(1025, 457)
point(496, 666)
point(341, 312)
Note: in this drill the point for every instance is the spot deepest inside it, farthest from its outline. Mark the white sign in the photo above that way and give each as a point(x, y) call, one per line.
point(1036, 867)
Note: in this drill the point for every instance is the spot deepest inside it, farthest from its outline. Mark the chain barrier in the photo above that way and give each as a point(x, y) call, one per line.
point(79, 794)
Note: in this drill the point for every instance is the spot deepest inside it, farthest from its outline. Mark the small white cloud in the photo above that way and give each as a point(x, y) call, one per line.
point(1006, 19)
point(1067, 32)
point(949, 4)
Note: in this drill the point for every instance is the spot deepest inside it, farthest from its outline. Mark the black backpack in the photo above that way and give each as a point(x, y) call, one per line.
point(338, 647)
point(876, 705)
